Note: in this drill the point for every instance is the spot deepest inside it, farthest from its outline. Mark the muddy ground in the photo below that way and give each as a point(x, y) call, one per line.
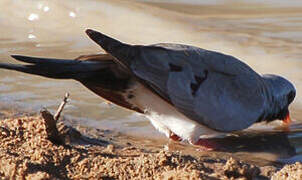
point(26, 152)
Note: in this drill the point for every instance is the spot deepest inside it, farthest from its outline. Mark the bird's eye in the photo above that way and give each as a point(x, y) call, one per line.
point(291, 96)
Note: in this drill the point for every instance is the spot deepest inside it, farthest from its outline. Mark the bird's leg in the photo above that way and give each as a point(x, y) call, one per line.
point(174, 137)
point(205, 145)
point(287, 120)
point(286, 123)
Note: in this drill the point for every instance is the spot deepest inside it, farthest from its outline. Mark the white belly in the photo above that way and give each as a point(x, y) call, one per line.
point(166, 118)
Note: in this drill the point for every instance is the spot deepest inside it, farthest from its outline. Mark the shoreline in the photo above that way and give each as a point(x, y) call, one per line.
point(25, 152)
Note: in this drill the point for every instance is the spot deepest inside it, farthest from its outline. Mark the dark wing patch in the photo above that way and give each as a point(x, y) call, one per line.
point(175, 68)
point(194, 88)
point(199, 80)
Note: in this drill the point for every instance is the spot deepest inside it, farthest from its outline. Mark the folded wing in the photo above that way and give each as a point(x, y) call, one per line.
point(211, 88)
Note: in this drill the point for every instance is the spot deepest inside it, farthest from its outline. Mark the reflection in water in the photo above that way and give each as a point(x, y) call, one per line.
point(258, 148)
point(265, 36)
point(275, 143)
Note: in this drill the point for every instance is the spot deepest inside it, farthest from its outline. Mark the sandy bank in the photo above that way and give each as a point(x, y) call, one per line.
point(25, 152)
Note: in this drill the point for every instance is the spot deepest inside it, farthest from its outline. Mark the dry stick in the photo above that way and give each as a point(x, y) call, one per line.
point(61, 107)
point(51, 122)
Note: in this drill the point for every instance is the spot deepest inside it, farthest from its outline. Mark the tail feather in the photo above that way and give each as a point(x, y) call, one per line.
point(38, 60)
point(56, 68)
point(16, 67)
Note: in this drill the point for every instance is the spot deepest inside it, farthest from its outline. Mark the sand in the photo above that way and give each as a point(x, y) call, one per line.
point(27, 153)
point(292, 171)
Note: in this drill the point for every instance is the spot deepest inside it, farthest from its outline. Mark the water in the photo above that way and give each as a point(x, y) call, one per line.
point(267, 36)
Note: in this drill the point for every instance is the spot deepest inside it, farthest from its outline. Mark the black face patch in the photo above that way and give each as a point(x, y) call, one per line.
point(175, 68)
point(199, 80)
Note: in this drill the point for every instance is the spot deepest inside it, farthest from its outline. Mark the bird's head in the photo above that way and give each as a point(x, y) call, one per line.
point(281, 93)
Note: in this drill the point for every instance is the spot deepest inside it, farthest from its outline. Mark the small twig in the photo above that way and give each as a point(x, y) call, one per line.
point(61, 107)
point(51, 127)
point(51, 122)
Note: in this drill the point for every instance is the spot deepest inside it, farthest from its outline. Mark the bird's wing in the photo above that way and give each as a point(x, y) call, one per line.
point(211, 88)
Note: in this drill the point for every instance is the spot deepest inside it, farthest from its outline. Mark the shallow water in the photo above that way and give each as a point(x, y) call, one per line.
point(267, 36)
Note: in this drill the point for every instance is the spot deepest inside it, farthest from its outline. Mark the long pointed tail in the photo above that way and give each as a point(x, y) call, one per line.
point(99, 73)
point(56, 68)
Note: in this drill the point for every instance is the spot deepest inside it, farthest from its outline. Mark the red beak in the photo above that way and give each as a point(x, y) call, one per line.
point(287, 119)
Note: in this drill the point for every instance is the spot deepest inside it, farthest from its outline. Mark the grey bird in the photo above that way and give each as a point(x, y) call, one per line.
point(187, 92)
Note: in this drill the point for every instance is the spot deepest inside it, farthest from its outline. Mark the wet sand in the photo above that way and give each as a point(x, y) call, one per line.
point(27, 153)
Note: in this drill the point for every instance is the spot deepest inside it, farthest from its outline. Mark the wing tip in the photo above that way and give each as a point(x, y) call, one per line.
point(94, 35)
point(90, 31)
point(106, 42)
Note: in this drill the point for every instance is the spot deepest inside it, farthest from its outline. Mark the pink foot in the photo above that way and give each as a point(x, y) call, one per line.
point(174, 137)
point(206, 145)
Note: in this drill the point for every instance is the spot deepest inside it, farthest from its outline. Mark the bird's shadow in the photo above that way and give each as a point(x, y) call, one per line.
point(272, 142)
point(286, 146)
